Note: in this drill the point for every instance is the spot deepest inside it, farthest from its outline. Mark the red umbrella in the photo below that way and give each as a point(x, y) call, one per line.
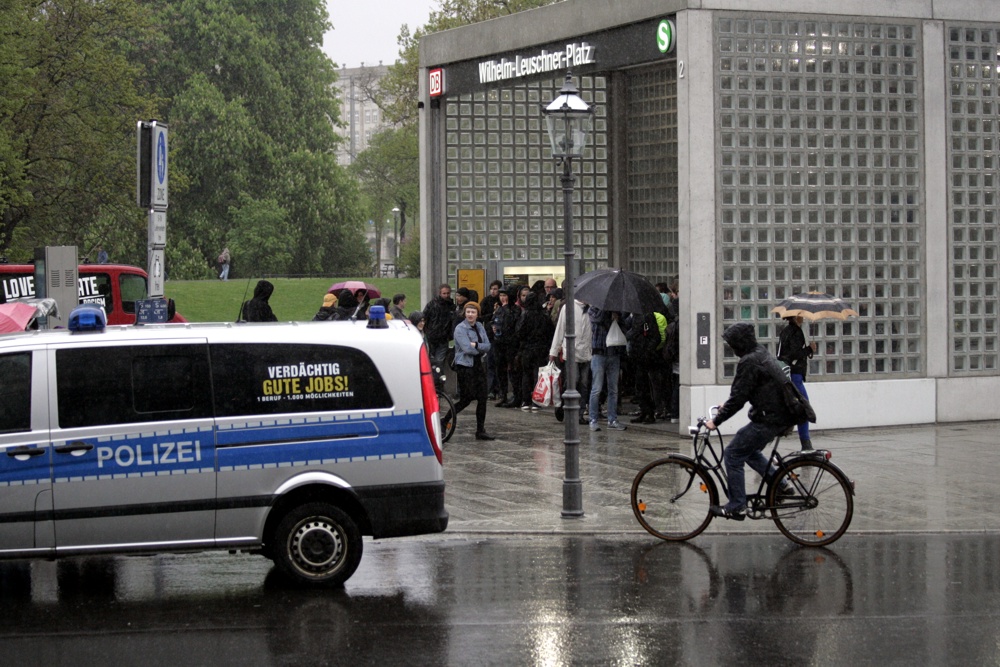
point(15, 316)
point(354, 286)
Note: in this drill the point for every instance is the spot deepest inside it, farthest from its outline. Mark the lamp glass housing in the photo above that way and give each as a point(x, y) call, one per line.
point(568, 120)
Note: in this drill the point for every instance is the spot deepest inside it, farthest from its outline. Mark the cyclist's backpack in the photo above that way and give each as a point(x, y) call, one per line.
point(797, 405)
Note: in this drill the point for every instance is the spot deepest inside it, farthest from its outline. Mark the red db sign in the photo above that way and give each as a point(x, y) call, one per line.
point(435, 80)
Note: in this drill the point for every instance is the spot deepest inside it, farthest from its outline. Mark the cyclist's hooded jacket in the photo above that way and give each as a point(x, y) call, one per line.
point(757, 381)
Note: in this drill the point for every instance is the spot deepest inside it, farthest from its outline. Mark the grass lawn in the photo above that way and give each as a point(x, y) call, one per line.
point(293, 298)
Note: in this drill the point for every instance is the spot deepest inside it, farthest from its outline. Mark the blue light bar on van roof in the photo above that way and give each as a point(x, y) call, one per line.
point(87, 317)
point(376, 318)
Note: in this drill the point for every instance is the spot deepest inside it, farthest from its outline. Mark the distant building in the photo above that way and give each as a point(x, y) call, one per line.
point(361, 116)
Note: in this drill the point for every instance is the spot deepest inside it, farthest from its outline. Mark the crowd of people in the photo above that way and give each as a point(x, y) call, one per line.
point(524, 329)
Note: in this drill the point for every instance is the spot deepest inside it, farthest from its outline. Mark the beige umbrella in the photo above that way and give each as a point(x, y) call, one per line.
point(814, 306)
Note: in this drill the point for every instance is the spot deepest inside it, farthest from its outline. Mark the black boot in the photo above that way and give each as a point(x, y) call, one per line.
point(807, 445)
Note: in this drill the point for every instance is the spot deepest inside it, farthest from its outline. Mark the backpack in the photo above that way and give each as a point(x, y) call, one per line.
point(644, 338)
point(796, 404)
point(671, 345)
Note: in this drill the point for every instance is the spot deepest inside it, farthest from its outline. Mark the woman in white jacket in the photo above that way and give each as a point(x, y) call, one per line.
point(582, 346)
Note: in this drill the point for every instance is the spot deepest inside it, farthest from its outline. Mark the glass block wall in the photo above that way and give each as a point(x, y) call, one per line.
point(503, 193)
point(974, 195)
point(819, 185)
point(652, 178)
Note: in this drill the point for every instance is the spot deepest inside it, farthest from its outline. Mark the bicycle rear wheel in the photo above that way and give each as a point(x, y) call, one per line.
point(820, 507)
point(449, 418)
point(671, 499)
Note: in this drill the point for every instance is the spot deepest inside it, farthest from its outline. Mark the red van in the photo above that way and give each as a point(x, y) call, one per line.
point(116, 287)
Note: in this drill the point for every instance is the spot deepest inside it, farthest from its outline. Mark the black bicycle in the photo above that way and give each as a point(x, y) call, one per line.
point(446, 411)
point(809, 498)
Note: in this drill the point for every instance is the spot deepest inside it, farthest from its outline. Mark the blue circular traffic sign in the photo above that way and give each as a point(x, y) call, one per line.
point(161, 157)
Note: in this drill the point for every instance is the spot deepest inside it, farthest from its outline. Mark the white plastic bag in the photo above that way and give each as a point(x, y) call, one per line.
point(546, 391)
point(615, 335)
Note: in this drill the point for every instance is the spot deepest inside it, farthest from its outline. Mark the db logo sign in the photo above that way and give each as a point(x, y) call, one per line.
point(435, 79)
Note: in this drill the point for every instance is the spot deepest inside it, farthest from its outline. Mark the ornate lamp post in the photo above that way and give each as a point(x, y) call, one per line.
point(568, 120)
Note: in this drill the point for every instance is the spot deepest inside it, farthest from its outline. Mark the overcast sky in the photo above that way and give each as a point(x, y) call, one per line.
point(365, 31)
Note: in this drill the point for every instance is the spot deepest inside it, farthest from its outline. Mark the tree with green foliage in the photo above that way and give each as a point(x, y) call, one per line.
point(389, 174)
point(252, 113)
point(69, 100)
point(409, 253)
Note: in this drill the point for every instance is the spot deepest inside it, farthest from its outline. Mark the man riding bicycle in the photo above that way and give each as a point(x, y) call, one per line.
point(756, 381)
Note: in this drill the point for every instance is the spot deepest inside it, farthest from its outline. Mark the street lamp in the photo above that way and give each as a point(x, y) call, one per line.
point(568, 121)
point(395, 241)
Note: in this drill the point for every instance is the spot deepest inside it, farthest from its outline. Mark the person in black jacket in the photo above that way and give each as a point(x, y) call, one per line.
point(505, 348)
point(792, 349)
point(534, 333)
point(347, 306)
point(439, 326)
point(757, 380)
point(328, 310)
point(258, 309)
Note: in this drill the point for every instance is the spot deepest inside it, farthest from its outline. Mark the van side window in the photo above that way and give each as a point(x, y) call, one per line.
point(15, 392)
point(96, 288)
point(264, 378)
point(140, 383)
point(133, 288)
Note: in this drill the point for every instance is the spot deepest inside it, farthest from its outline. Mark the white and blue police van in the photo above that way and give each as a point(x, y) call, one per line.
point(288, 439)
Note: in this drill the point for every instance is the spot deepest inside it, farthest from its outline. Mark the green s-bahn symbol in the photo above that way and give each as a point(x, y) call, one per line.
point(666, 36)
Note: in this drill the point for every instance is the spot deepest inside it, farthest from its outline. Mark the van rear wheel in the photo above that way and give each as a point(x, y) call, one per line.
point(318, 543)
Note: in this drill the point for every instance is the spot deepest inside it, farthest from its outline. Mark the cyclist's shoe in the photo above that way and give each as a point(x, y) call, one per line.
point(784, 493)
point(734, 514)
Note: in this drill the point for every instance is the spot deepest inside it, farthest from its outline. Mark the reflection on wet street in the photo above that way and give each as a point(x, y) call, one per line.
point(542, 600)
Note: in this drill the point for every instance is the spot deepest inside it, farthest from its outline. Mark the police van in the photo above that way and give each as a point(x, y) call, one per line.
point(288, 439)
point(115, 287)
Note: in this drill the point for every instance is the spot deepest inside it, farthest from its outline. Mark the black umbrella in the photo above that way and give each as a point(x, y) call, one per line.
point(617, 289)
point(814, 306)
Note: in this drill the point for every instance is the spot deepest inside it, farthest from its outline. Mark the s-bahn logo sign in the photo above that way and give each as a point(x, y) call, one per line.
point(666, 36)
point(573, 55)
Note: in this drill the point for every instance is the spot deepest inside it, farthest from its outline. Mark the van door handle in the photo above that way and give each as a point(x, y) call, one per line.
point(23, 452)
point(74, 447)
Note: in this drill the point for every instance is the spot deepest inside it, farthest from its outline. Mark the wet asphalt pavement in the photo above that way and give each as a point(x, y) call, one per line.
point(914, 581)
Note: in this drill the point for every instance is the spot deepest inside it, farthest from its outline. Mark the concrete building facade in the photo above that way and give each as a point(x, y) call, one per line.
point(361, 117)
point(756, 153)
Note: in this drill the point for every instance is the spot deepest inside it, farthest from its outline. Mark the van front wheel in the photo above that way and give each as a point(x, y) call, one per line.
point(318, 543)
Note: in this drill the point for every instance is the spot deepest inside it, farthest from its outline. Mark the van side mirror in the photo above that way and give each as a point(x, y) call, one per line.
point(171, 309)
point(129, 307)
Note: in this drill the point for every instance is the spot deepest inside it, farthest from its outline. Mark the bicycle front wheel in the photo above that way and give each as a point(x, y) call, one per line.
point(446, 411)
point(819, 507)
point(671, 499)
